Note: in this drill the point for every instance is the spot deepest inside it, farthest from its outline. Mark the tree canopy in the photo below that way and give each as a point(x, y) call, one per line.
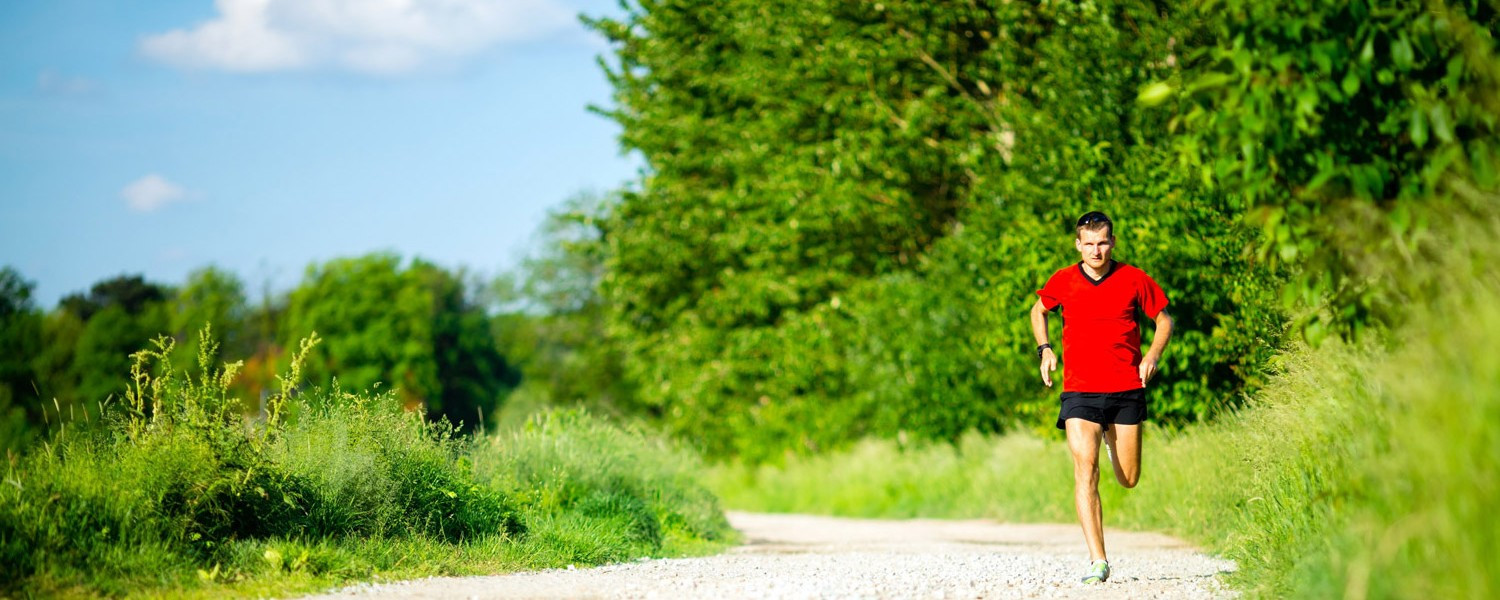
point(849, 205)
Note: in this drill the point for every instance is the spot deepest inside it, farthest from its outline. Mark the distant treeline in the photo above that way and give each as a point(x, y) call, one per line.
point(411, 325)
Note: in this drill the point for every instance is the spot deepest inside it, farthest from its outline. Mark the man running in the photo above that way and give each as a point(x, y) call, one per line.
point(1104, 386)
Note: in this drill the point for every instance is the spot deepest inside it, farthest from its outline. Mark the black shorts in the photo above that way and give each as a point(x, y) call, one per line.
point(1124, 408)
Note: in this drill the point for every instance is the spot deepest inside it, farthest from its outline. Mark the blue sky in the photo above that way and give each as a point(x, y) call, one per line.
point(263, 135)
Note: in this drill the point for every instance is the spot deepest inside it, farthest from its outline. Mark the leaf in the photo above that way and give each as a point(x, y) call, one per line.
point(1209, 81)
point(1442, 127)
point(1402, 54)
point(1307, 101)
point(1418, 128)
point(1350, 84)
point(1154, 94)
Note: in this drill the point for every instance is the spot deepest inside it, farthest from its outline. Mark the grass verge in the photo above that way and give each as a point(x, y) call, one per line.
point(1358, 472)
point(176, 495)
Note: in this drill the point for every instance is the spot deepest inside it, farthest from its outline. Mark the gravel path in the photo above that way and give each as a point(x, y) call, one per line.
point(801, 556)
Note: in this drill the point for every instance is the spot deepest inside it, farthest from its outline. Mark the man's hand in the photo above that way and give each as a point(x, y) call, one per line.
point(1049, 364)
point(1148, 368)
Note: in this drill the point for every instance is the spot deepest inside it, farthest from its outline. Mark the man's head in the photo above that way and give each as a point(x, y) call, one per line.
point(1096, 239)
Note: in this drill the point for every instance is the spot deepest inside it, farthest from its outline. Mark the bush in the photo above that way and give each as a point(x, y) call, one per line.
point(841, 238)
point(175, 490)
point(571, 468)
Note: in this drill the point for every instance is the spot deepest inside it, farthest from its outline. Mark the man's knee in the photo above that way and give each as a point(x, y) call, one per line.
point(1128, 480)
point(1086, 473)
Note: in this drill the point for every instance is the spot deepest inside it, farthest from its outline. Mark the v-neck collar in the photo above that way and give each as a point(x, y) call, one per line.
point(1114, 265)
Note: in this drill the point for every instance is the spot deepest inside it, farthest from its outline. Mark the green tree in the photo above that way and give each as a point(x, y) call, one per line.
point(131, 293)
point(20, 342)
point(215, 298)
point(1355, 131)
point(53, 363)
point(848, 206)
point(555, 327)
point(415, 327)
point(120, 315)
point(101, 363)
point(474, 374)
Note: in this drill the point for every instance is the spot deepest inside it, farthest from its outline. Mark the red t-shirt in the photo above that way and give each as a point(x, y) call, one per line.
point(1101, 340)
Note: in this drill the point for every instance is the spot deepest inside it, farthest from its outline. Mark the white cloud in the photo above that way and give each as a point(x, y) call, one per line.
point(371, 36)
point(151, 192)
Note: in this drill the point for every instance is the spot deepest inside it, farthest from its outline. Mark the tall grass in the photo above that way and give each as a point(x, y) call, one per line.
point(1367, 471)
point(574, 474)
point(177, 492)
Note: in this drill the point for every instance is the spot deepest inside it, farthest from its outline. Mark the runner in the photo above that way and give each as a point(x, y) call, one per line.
point(1104, 386)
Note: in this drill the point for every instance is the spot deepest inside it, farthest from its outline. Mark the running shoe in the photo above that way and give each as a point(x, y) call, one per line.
point(1098, 572)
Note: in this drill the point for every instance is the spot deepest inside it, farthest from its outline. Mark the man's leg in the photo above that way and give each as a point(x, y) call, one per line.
point(1083, 441)
point(1125, 452)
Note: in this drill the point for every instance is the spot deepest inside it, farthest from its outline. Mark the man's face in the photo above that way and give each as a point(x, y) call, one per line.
point(1095, 246)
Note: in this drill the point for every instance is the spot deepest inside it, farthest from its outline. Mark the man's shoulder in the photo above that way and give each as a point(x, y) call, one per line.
point(1136, 271)
point(1138, 276)
point(1065, 271)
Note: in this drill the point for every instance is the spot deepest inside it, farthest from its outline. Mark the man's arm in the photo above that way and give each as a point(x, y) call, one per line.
point(1039, 329)
point(1158, 345)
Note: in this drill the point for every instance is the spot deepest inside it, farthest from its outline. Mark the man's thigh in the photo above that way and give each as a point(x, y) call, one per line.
point(1083, 439)
point(1126, 447)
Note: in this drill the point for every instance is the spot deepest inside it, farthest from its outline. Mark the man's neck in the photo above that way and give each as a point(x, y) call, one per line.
point(1100, 273)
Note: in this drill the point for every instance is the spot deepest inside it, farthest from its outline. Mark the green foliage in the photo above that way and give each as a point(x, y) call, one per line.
point(108, 338)
point(796, 149)
point(53, 364)
point(951, 347)
point(87, 342)
point(1353, 130)
point(215, 298)
point(849, 208)
point(20, 342)
point(414, 327)
point(131, 293)
point(1356, 471)
point(571, 471)
point(977, 476)
point(177, 492)
point(555, 330)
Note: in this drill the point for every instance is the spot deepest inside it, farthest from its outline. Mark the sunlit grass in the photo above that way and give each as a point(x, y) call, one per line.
point(1358, 471)
point(177, 495)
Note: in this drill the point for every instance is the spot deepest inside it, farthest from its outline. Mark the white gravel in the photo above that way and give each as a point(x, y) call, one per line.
point(801, 556)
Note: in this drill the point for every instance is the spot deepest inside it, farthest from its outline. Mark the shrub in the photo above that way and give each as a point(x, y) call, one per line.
point(572, 467)
point(175, 490)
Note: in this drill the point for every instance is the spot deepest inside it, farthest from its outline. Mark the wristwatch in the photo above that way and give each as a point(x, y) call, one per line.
point(1040, 348)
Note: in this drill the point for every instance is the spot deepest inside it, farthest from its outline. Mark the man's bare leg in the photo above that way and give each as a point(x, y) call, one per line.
point(1083, 441)
point(1125, 452)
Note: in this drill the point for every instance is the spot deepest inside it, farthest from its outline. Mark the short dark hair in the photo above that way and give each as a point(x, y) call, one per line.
point(1094, 221)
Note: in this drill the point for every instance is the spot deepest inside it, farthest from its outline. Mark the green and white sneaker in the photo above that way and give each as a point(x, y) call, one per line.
point(1098, 572)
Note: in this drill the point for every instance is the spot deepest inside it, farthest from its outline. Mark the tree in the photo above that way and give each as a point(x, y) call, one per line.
point(847, 207)
point(20, 342)
point(215, 298)
point(101, 363)
point(556, 329)
point(414, 327)
point(119, 316)
point(132, 293)
point(1355, 131)
point(473, 373)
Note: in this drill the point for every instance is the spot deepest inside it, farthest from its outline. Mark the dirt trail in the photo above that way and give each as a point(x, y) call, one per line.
point(802, 556)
